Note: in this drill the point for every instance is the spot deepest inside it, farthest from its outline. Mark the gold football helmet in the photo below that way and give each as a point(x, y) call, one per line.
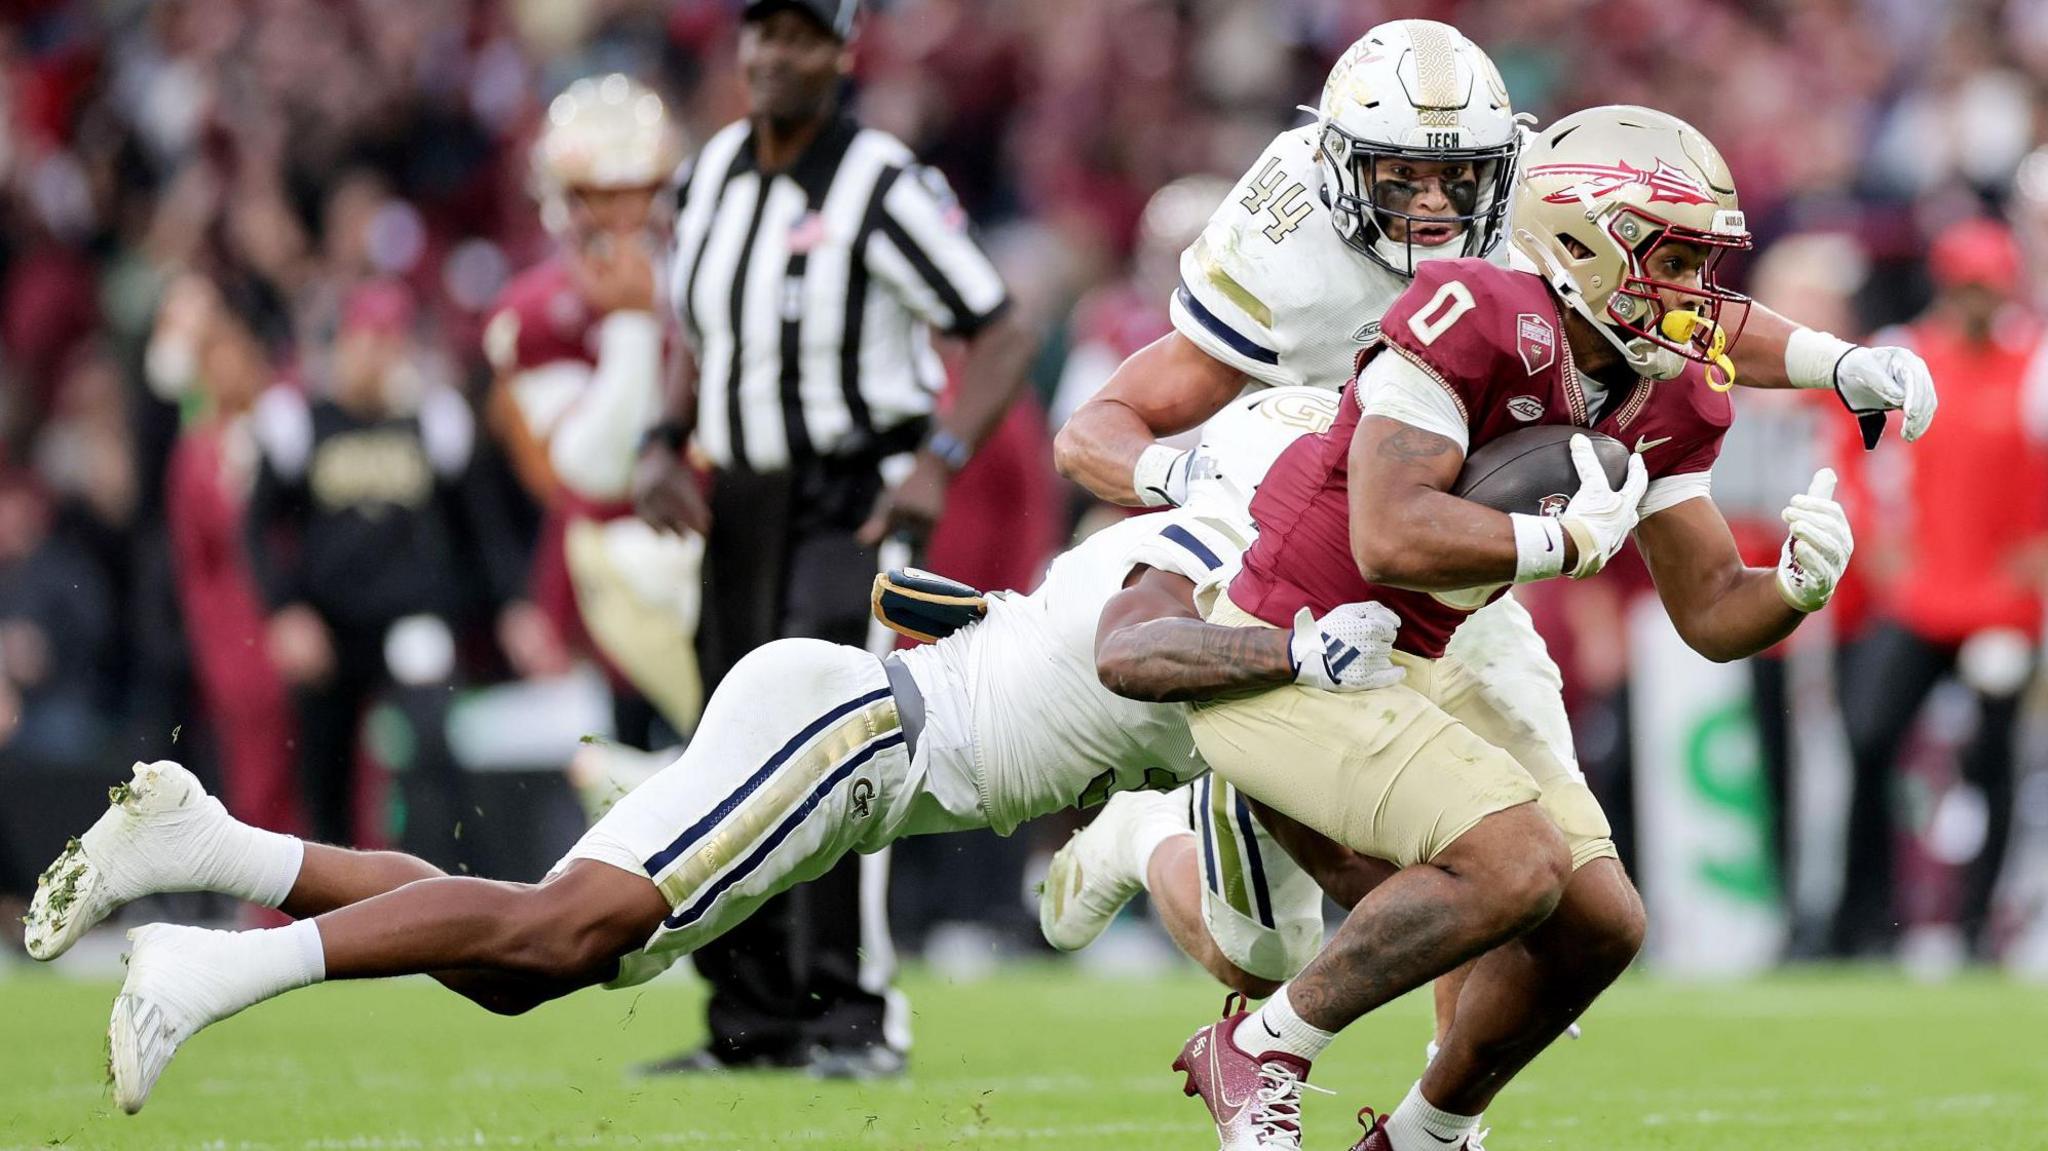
point(1601, 192)
point(603, 133)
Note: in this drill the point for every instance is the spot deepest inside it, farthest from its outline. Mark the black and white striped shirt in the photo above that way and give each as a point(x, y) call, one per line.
point(808, 297)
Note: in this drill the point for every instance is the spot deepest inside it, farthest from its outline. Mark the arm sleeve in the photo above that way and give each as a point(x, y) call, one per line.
point(1393, 386)
point(1670, 491)
point(928, 255)
point(592, 448)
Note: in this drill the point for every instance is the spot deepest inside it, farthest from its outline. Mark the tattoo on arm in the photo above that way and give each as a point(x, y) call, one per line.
point(1410, 444)
point(1174, 660)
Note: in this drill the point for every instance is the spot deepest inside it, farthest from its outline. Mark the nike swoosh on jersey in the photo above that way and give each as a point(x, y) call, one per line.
point(1644, 444)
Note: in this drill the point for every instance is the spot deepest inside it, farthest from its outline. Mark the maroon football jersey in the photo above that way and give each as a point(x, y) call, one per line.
point(540, 319)
point(1494, 339)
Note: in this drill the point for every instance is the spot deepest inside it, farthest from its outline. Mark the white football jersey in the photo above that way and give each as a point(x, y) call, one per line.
point(1041, 730)
point(1271, 289)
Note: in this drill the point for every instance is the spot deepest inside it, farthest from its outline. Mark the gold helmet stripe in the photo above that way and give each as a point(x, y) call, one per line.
point(1436, 73)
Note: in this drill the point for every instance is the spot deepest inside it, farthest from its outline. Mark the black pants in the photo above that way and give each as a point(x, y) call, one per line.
point(782, 562)
point(1886, 677)
point(331, 723)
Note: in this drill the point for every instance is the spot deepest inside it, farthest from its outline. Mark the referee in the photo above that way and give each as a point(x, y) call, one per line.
point(813, 259)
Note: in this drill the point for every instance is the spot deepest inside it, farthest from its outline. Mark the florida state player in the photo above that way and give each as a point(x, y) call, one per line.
point(576, 349)
point(1504, 852)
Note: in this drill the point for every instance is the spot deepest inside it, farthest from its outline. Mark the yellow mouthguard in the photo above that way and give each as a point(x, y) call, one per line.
point(1680, 325)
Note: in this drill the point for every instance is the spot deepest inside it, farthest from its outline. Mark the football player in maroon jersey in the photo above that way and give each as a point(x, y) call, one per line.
point(1504, 852)
point(575, 349)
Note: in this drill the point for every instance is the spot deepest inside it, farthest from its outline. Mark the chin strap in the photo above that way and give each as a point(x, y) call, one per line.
point(1641, 355)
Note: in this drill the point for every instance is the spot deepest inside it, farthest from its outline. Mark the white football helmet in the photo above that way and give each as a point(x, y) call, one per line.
point(1240, 443)
point(1420, 91)
point(602, 133)
point(1601, 191)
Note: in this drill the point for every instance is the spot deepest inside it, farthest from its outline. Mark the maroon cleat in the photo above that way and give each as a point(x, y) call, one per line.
point(1255, 1099)
point(1377, 1139)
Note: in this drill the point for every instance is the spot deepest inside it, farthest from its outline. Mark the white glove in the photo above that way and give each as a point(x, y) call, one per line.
point(1887, 379)
point(1599, 517)
point(1349, 649)
point(1817, 552)
point(1161, 476)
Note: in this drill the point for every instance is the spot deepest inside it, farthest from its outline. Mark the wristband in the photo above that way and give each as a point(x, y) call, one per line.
point(1152, 478)
point(950, 449)
point(1811, 356)
point(667, 433)
point(1539, 547)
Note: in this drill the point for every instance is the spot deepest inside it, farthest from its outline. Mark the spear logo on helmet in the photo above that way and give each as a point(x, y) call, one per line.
point(1667, 184)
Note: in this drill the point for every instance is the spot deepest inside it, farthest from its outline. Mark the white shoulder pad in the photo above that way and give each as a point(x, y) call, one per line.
point(1268, 269)
point(283, 424)
point(1195, 546)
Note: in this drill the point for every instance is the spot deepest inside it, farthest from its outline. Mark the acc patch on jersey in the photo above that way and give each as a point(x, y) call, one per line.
point(1526, 408)
point(1537, 341)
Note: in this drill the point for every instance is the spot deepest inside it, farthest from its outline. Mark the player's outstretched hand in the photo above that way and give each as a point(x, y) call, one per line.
point(1816, 553)
point(1349, 649)
point(1888, 379)
point(1599, 517)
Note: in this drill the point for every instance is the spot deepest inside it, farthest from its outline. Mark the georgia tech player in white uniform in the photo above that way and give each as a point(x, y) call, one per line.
point(1409, 159)
point(807, 750)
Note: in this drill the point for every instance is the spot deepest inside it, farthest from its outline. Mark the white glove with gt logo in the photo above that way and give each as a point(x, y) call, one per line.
point(1349, 649)
point(1817, 552)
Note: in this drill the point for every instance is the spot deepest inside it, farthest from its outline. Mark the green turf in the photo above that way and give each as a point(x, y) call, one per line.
point(1036, 1058)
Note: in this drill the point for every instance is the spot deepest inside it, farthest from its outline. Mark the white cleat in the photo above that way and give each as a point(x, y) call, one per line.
point(1092, 877)
point(158, 830)
point(178, 980)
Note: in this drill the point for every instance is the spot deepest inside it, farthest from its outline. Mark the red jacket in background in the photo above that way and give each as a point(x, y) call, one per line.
point(224, 626)
point(1965, 504)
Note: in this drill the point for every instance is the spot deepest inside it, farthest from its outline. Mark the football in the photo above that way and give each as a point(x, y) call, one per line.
point(1530, 471)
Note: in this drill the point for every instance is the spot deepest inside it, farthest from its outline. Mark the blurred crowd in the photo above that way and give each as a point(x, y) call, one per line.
point(200, 199)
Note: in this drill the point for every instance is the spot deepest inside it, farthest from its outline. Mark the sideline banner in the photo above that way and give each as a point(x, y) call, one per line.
point(1703, 808)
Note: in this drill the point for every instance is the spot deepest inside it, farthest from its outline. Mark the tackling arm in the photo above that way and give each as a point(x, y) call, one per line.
point(1166, 387)
point(1151, 645)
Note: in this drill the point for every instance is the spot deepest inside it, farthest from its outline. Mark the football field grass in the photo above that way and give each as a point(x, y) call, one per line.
point(1036, 1058)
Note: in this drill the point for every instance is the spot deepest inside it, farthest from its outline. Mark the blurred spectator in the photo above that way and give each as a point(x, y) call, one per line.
point(1959, 547)
point(203, 354)
point(368, 541)
point(56, 631)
